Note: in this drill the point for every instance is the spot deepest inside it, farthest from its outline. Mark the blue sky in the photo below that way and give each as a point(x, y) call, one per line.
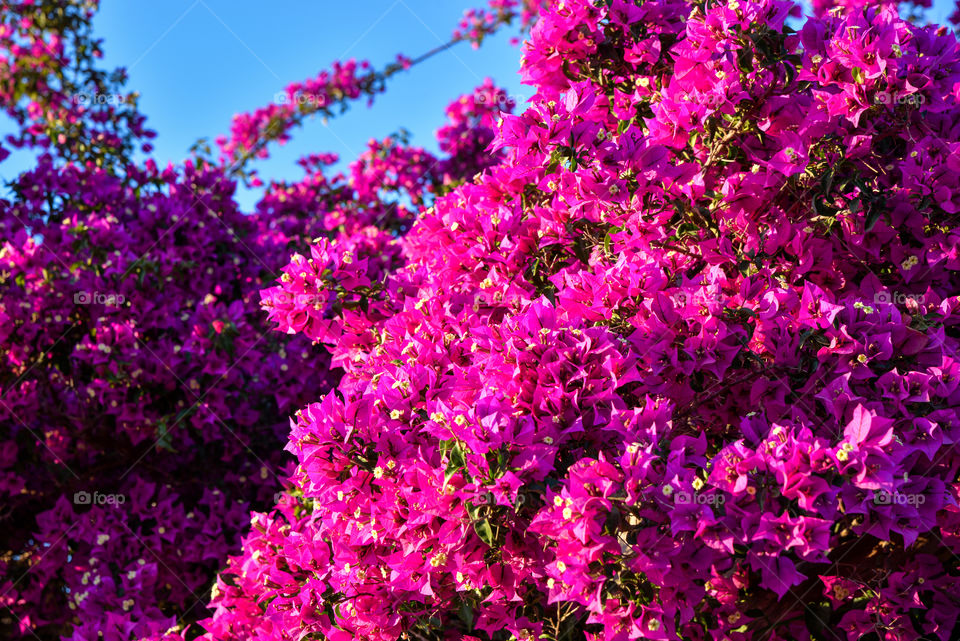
point(198, 62)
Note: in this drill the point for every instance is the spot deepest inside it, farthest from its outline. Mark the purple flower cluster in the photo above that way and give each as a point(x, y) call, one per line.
point(683, 364)
point(143, 399)
point(52, 89)
point(669, 353)
point(145, 402)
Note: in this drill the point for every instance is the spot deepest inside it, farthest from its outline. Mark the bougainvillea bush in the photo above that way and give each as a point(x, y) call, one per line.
point(682, 366)
point(144, 401)
point(671, 352)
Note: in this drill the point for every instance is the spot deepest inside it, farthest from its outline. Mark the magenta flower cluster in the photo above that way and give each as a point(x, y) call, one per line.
point(670, 351)
point(682, 365)
point(53, 90)
point(145, 401)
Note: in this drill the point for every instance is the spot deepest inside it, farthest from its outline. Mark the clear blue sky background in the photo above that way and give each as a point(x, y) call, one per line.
point(198, 62)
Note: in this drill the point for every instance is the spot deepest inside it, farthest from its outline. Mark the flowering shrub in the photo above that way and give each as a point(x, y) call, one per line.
point(133, 356)
point(669, 353)
point(52, 88)
point(145, 402)
point(150, 364)
point(682, 365)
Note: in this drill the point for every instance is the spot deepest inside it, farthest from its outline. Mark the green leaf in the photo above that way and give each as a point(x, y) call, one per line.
point(472, 511)
point(791, 72)
point(466, 615)
point(457, 462)
point(873, 215)
point(822, 208)
point(826, 182)
point(164, 441)
point(551, 294)
point(446, 446)
point(484, 531)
